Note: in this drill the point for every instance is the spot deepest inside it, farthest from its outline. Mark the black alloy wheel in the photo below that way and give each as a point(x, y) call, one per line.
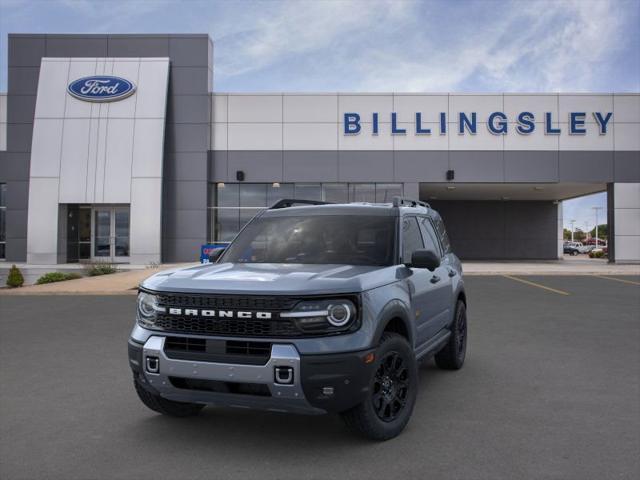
point(390, 387)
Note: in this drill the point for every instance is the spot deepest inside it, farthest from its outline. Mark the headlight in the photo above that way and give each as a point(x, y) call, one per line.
point(147, 309)
point(324, 316)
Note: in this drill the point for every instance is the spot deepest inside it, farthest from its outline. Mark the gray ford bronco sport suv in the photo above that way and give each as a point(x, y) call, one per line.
point(313, 308)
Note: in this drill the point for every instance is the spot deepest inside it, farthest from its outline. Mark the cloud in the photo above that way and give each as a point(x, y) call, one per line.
point(408, 46)
point(376, 45)
point(290, 30)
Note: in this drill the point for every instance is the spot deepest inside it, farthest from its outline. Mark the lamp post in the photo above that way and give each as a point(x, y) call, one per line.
point(596, 210)
point(572, 222)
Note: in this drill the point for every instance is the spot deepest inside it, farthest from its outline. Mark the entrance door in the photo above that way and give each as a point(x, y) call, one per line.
point(111, 234)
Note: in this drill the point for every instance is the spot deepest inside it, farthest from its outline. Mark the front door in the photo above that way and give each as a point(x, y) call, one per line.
point(110, 234)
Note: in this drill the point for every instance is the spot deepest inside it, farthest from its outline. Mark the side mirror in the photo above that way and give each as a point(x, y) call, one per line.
point(425, 259)
point(215, 255)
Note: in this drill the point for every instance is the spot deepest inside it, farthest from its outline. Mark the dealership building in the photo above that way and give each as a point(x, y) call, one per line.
point(118, 148)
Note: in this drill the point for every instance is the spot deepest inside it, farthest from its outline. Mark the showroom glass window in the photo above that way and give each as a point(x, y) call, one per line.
point(3, 220)
point(232, 205)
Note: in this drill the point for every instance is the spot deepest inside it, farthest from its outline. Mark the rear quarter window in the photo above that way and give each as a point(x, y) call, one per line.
point(442, 234)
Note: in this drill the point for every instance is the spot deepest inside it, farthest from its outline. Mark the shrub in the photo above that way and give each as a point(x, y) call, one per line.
point(52, 277)
point(596, 254)
point(15, 278)
point(100, 269)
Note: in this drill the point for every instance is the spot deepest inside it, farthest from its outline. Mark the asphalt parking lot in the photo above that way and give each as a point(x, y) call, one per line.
point(551, 389)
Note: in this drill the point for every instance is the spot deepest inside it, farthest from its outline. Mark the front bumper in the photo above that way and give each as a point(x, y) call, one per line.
point(319, 383)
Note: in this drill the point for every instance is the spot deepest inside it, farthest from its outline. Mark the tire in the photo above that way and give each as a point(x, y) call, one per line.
point(574, 253)
point(389, 402)
point(164, 406)
point(452, 356)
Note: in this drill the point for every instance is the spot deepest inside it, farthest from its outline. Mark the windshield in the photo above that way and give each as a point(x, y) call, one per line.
point(320, 239)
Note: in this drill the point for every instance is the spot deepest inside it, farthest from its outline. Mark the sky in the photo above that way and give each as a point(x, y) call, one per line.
point(377, 45)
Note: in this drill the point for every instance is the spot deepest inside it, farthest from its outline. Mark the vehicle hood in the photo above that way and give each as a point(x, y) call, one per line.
point(271, 278)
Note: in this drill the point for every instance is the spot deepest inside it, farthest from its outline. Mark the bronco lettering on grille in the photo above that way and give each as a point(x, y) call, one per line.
point(193, 312)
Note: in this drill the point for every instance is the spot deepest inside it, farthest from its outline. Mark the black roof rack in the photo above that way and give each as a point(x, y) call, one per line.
point(400, 201)
point(290, 202)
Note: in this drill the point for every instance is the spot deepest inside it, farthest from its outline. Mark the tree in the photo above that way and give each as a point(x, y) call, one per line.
point(578, 235)
point(15, 278)
point(566, 234)
point(603, 231)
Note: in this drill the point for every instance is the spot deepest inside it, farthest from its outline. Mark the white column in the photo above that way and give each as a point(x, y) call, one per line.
point(560, 236)
point(626, 211)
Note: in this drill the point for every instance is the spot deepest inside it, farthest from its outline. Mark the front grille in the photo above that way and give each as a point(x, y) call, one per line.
point(257, 389)
point(239, 327)
point(260, 349)
point(232, 302)
point(217, 350)
point(185, 344)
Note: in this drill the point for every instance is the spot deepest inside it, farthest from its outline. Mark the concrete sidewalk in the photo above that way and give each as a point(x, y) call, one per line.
point(126, 282)
point(581, 265)
point(113, 284)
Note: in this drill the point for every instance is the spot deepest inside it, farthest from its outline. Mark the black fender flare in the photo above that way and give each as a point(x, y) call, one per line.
point(394, 309)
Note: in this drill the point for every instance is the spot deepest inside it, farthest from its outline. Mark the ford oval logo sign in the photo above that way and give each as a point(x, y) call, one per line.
point(101, 88)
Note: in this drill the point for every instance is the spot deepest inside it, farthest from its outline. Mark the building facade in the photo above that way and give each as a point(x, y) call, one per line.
point(116, 148)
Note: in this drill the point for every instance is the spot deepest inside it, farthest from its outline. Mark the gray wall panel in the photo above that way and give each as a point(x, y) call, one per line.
point(26, 50)
point(17, 195)
point(477, 166)
point(188, 109)
point(310, 166)
point(218, 165)
point(19, 137)
point(428, 165)
point(626, 166)
point(501, 230)
point(23, 80)
point(530, 166)
point(188, 80)
point(185, 166)
point(187, 137)
point(189, 51)
point(138, 46)
point(586, 166)
point(182, 249)
point(365, 166)
point(16, 223)
point(22, 108)
point(185, 223)
point(258, 166)
point(185, 195)
point(15, 167)
point(16, 250)
point(76, 46)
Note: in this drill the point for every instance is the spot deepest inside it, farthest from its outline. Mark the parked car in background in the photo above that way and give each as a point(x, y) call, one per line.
point(572, 248)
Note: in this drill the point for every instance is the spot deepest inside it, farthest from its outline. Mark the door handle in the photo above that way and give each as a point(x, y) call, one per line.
point(452, 273)
point(435, 279)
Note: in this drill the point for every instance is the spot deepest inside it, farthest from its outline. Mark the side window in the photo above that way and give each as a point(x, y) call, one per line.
point(442, 233)
point(411, 238)
point(429, 235)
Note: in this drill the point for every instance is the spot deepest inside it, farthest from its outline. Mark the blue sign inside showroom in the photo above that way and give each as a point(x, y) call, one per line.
point(101, 88)
point(467, 123)
point(208, 248)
